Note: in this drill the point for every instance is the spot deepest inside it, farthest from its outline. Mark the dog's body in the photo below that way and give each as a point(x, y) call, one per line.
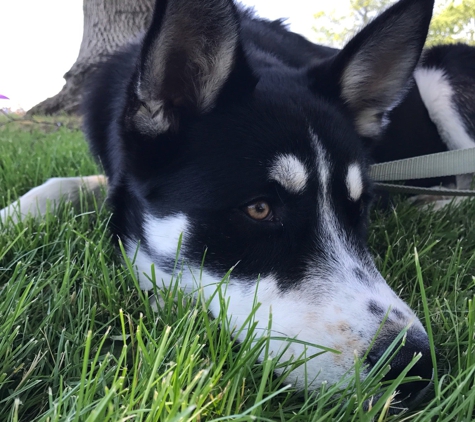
point(252, 144)
point(438, 113)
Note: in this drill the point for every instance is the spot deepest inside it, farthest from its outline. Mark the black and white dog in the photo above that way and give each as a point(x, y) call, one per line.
point(253, 144)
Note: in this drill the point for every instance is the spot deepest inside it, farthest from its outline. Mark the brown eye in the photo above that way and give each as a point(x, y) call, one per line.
point(259, 211)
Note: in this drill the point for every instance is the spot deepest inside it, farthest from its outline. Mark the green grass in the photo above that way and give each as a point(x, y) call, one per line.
point(80, 342)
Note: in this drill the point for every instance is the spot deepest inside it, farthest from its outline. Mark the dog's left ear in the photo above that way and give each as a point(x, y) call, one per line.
point(371, 73)
point(190, 55)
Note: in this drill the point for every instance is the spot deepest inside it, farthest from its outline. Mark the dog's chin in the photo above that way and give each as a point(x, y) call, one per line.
point(401, 404)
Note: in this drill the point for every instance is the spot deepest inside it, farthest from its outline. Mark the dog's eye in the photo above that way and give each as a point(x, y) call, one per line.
point(259, 211)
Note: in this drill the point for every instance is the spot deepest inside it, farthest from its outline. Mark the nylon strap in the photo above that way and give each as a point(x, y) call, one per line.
point(450, 163)
point(416, 190)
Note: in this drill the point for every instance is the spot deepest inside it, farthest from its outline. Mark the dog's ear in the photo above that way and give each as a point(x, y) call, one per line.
point(187, 57)
point(372, 72)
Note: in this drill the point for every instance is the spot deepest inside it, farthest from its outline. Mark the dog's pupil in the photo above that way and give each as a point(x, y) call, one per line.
point(261, 207)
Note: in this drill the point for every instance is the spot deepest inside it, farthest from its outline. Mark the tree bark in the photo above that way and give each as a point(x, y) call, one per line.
point(108, 25)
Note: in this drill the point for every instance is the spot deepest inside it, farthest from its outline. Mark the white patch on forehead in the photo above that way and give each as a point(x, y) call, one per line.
point(290, 172)
point(354, 182)
point(341, 255)
point(322, 163)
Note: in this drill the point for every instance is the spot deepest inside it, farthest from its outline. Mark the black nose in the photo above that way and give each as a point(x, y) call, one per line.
point(416, 342)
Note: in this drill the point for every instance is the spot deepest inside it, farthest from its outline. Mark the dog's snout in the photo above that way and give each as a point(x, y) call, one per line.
point(416, 342)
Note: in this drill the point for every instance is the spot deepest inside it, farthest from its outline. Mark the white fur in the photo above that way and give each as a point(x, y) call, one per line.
point(47, 196)
point(290, 172)
point(437, 94)
point(143, 263)
point(354, 182)
point(163, 234)
point(325, 310)
point(323, 165)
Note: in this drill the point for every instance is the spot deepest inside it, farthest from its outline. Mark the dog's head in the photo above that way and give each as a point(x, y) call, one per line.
point(264, 167)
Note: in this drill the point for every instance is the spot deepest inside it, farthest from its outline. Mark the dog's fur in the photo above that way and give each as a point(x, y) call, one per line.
point(253, 144)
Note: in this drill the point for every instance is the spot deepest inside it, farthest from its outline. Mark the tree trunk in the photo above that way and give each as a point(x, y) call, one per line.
point(108, 25)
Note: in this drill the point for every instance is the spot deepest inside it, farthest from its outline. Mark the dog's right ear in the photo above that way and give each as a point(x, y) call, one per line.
point(188, 55)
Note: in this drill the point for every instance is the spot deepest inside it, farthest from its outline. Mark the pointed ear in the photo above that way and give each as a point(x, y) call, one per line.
point(188, 54)
point(374, 69)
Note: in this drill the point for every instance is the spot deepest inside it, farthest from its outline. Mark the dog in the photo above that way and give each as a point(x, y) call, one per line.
point(252, 146)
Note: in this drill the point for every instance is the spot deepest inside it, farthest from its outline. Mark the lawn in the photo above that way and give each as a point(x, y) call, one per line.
point(80, 342)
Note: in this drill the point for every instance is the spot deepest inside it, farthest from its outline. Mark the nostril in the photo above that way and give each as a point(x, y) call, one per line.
point(416, 342)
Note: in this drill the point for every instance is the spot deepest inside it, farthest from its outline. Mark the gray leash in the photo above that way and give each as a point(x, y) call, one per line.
point(450, 163)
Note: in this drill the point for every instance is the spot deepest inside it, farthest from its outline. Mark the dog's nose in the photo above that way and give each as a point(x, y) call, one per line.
point(416, 342)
